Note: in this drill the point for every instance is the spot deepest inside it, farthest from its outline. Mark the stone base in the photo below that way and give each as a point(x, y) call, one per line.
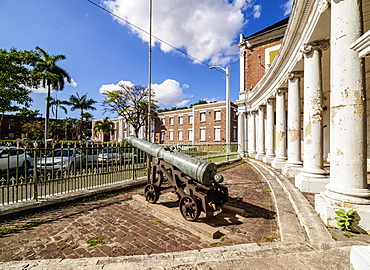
point(252, 154)
point(291, 170)
point(310, 184)
point(360, 257)
point(268, 160)
point(325, 207)
point(278, 164)
point(259, 156)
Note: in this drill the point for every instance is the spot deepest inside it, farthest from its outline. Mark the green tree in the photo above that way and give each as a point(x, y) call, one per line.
point(17, 75)
point(81, 103)
point(104, 126)
point(53, 77)
point(56, 104)
point(131, 103)
point(33, 130)
point(24, 111)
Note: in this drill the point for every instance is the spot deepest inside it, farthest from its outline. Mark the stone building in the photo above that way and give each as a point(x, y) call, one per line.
point(201, 124)
point(307, 114)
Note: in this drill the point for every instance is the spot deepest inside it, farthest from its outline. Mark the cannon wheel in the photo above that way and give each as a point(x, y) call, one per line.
point(190, 207)
point(151, 192)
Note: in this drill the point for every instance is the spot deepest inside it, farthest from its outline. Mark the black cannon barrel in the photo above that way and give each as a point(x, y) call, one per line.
point(203, 171)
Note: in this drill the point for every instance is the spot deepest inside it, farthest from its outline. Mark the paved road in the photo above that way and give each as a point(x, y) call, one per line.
point(121, 226)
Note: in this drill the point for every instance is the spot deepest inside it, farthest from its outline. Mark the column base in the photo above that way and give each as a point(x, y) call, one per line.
point(259, 156)
point(291, 170)
point(252, 154)
point(311, 184)
point(325, 207)
point(278, 163)
point(241, 154)
point(268, 159)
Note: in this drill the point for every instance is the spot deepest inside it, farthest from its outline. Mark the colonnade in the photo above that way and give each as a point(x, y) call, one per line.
point(289, 136)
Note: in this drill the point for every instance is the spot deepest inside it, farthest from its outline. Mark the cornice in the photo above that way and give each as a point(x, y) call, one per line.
point(303, 20)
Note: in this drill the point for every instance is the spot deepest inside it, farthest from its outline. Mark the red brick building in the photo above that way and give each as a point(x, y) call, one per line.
point(201, 124)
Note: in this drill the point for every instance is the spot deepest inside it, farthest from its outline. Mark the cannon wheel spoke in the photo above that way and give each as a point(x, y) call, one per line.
point(151, 192)
point(190, 207)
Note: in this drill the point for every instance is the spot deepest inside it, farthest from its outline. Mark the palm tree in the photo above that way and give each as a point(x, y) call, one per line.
point(54, 78)
point(104, 126)
point(56, 104)
point(82, 104)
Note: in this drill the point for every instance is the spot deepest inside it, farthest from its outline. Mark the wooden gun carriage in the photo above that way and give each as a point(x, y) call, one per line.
point(193, 180)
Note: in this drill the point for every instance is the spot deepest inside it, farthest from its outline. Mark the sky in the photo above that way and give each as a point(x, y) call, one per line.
point(106, 42)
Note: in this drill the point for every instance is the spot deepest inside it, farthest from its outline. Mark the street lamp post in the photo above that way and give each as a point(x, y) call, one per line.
point(227, 71)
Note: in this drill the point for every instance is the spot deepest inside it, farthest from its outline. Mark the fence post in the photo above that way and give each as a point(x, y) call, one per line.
point(35, 178)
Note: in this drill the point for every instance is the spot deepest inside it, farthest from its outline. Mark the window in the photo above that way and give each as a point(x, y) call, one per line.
point(217, 131)
point(190, 135)
point(181, 120)
point(270, 54)
point(171, 135)
point(191, 119)
point(180, 134)
point(171, 121)
point(202, 134)
point(162, 135)
point(218, 115)
point(202, 116)
point(235, 134)
point(163, 120)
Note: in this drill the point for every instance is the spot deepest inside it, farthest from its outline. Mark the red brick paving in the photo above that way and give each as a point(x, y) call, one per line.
point(127, 229)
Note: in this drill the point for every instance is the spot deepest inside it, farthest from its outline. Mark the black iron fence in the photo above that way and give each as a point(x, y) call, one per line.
point(34, 170)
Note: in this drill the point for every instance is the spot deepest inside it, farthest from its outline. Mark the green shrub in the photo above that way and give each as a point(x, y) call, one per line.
point(345, 219)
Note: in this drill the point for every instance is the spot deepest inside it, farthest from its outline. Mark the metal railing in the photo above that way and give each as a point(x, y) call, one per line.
point(33, 170)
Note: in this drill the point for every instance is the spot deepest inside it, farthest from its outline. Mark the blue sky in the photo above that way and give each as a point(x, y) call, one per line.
point(102, 50)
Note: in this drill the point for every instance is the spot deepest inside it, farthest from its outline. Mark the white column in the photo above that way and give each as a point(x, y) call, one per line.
point(312, 177)
point(241, 131)
point(270, 151)
point(251, 133)
point(280, 152)
point(348, 184)
point(294, 164)
point(261, 133)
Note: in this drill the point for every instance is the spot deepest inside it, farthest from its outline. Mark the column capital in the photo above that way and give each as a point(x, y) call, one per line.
point(295, 74)
point(324, 5)
point(261, 106)
point(270, 101)
point(281, 91)
point(320, 45)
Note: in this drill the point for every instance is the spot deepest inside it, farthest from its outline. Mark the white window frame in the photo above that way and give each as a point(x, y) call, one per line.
point(203, 134)
point(191, 118)
point(180, 135)
point(190, 134)
point(205, 117)
point(217, 113)
point(171, 121)
point(181, 120)
point(171, 134)
point(235, 137)
point(267, 55)
point(163, 132)
point(217, 138)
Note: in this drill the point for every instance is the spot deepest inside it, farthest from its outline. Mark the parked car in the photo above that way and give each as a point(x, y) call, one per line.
point(186, 147)
point(13, 158)
point(62, 159)
point(115, 154)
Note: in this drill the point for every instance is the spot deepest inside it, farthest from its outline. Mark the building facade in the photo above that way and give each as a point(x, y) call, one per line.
point(201, 124)
point(308, 114)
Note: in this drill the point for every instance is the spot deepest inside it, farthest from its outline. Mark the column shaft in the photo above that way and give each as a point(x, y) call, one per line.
point(251, 134)
point(241, 131)
point(270, 153)
point(280, 153)
point(261, 133)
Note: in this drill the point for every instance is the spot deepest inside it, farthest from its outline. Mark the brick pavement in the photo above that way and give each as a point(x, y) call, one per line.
point(127, 228)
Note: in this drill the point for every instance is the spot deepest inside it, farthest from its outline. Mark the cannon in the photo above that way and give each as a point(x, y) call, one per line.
point(193, 180)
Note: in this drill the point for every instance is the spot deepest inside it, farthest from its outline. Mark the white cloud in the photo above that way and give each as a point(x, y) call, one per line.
point(287, 7)
point(217, 99)
point(170, 92)
point(257, 11)
point(73, 83)
point(44, 90)
point(110, 87)
point(205, 29)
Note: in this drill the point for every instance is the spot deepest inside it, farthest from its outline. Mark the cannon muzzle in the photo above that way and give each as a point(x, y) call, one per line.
point(204, 172)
